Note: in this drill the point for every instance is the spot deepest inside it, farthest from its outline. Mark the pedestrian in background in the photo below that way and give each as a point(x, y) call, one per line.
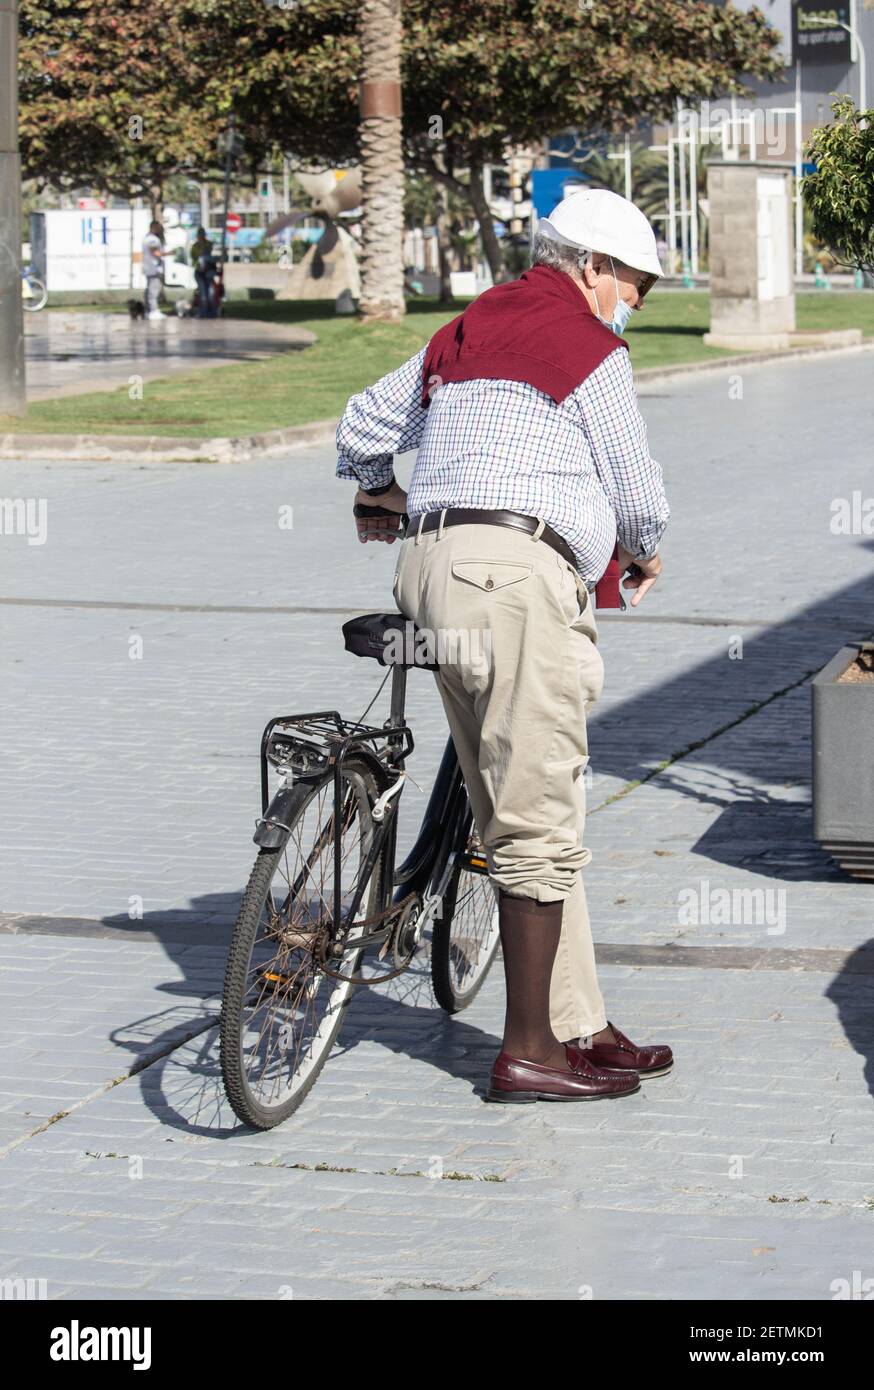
point(204, 274)
point(153, 254)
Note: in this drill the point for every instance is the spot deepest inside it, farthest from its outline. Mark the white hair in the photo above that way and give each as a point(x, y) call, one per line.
point(545, 250)
point(561, 255)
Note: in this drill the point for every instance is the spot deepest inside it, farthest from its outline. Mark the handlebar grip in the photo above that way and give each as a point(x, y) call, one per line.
point(359, 510)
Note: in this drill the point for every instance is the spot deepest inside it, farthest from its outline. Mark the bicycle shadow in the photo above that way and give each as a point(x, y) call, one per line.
point(195, 941)
point(174, 1052)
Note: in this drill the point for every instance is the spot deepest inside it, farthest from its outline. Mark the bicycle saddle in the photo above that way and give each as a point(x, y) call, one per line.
point(389, 637)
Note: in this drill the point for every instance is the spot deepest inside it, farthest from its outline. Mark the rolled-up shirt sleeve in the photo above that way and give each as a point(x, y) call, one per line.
point(384, 420)
point(629, 475)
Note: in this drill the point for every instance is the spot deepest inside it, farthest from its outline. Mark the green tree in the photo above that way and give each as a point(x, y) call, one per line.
point(479, 78)
point(476, 79)
point(109, 96)
point(840, 194)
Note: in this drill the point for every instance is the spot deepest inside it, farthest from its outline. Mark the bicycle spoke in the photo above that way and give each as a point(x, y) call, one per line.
point(473, 929)
point(290, 1005)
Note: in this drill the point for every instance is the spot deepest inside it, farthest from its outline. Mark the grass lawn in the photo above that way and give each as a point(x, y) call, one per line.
point(295, 388)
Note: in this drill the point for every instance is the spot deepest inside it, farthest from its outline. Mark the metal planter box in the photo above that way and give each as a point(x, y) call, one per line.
point(843, 765)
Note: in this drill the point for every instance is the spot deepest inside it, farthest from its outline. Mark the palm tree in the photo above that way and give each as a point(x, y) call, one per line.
point(382, 162)
point(649, 177)
point(433, 204)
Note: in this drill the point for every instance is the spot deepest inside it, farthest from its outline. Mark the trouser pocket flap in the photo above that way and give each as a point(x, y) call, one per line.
point(490, 574)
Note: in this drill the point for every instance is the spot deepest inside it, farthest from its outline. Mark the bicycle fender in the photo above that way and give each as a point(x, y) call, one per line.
point(274, 827)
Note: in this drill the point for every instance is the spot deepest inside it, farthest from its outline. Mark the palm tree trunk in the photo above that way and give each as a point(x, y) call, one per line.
point(382, 163)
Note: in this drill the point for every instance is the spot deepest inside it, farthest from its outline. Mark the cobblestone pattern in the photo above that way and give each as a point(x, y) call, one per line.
point(745, 1173)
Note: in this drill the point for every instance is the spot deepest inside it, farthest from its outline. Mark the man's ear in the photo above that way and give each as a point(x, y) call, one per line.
point(587, 270)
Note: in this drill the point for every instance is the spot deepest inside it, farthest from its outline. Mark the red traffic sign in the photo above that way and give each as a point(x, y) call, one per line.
point(233, 222)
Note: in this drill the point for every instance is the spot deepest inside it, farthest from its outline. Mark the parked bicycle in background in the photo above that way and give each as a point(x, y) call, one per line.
point(34, 295)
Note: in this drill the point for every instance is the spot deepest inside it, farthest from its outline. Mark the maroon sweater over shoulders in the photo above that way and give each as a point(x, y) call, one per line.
point(537, 329)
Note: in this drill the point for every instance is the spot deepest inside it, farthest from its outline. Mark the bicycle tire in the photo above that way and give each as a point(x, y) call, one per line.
point(240, 1093)
point(469, 896)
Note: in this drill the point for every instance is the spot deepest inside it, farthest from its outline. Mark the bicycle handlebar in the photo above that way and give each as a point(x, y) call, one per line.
point(360, 511)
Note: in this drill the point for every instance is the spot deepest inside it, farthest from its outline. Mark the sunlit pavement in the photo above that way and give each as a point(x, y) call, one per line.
point(745, 1173)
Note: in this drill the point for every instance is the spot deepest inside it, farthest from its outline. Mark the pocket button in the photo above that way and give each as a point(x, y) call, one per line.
point(490, 583)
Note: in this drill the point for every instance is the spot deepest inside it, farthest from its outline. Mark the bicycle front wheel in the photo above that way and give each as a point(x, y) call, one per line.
point(465, 935)
point(281, 1012)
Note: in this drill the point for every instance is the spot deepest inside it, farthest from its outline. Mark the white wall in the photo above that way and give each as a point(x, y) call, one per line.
point(92, 250)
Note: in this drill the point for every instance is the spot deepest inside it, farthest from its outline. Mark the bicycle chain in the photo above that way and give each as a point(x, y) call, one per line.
point(396, 910)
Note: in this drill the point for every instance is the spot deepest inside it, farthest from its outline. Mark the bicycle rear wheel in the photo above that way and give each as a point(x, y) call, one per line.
point(281, 1012)
point(465, 935)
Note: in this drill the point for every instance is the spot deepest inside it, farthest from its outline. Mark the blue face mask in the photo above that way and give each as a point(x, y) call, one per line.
point(621, 314)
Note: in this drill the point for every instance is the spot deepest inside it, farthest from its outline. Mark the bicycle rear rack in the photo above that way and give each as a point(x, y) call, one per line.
point(308, 745)
point(304, 747)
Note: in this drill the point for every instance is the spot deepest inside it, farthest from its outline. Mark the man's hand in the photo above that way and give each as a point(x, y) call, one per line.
point(642, 574)
point(381, 528)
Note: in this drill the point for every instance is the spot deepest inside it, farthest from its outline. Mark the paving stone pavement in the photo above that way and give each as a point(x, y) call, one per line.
point(168, 614)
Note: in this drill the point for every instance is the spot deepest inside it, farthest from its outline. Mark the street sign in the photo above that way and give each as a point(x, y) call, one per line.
point(817, 36)
point(233, 222)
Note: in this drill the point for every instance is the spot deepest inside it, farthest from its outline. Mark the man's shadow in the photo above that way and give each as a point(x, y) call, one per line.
point(852, 993)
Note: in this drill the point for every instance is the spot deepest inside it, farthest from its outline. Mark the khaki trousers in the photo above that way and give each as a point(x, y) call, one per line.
point(512, 626)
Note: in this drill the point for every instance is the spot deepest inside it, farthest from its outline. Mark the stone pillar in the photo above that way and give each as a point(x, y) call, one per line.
point(752, 292)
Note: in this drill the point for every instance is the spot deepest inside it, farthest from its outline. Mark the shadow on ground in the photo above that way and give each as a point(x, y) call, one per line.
point(401, 1015)
point(758, 830)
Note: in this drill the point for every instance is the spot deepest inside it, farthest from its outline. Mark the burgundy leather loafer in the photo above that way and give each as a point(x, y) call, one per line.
point(646, 1061)
point(517, 1082)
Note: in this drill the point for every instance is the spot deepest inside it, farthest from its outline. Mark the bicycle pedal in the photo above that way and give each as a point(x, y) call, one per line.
point(296, 992)
point(274, 980)
point(475, 863)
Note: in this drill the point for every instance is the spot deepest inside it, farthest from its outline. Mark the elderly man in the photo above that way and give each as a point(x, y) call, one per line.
point(532, 468)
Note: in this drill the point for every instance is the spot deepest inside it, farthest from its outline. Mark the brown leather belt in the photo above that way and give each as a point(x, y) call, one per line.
point(473, 516)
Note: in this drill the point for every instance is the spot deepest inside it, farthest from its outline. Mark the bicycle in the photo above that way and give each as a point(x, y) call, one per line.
point(325, 897)
point(34, 295)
